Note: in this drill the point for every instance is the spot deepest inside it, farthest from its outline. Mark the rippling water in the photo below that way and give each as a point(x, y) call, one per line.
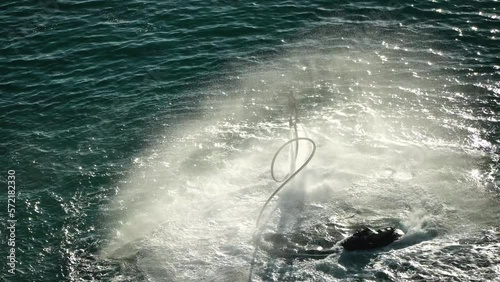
point(141, 133)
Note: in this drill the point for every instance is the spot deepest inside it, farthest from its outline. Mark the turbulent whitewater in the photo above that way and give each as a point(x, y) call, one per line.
point(396, 146)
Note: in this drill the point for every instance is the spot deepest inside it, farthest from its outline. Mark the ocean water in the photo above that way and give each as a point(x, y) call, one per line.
point(141, 135)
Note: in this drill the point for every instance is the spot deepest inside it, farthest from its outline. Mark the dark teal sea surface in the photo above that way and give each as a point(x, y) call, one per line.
point(141, 134)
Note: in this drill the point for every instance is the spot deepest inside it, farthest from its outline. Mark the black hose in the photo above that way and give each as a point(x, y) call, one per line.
point(287, 178)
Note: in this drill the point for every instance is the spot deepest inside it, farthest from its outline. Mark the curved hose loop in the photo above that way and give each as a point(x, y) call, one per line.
point(287, 179)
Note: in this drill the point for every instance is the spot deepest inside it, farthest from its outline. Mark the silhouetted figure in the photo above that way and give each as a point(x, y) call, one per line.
point(293, 108)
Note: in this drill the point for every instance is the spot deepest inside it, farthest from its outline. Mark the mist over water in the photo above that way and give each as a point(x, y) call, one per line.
point(394, 148)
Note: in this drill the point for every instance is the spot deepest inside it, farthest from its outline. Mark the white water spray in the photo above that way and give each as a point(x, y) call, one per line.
point(387, 152)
